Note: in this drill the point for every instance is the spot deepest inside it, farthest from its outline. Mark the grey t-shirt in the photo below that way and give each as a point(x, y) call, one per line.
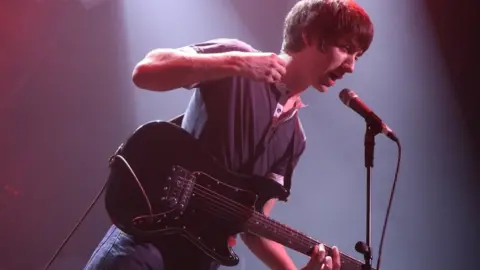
point(230, 117)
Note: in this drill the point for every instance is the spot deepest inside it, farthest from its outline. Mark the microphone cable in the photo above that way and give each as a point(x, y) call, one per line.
point(82, 218)
point(389, 204)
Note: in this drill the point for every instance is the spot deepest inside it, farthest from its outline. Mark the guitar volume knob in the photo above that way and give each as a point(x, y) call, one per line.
point(172, 201)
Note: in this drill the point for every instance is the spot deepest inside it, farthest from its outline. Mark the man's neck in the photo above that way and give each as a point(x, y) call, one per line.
point(291, 78)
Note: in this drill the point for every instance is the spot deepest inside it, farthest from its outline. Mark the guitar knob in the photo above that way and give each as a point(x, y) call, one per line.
point(172, 201)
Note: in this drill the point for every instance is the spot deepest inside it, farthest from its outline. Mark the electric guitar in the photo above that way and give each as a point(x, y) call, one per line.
point(162, 182)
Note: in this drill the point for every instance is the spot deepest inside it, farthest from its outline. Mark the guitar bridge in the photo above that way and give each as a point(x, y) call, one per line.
point(179, 187)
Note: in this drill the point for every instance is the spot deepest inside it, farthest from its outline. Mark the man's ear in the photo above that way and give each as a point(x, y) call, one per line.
point(307, 40)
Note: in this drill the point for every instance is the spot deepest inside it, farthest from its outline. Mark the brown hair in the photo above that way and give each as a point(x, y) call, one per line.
point(328, 21)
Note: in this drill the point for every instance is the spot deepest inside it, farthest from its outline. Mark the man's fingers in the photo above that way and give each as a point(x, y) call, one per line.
point(336, 258)
point(281, 69)
point(328, 264)
point(317, 257)
point(281, 62)
point(321, 253)
point(319, 260)
point(275, 76)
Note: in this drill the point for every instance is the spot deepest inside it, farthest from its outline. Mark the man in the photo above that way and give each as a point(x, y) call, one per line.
point(239, 94)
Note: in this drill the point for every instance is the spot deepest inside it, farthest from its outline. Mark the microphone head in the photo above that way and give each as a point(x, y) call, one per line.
point(362, 248)
point(346, 95)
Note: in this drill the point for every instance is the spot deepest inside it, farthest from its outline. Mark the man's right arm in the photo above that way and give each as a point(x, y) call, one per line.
point(167, 69)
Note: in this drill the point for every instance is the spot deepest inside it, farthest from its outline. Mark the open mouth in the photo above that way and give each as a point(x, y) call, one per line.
point(334, 76)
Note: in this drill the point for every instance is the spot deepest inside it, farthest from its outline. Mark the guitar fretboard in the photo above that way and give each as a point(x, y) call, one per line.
point(271, 229)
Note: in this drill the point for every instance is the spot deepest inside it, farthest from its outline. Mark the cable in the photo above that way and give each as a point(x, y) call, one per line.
point(144, 193)
point(389, 205)
point(93, 204)
point(176, 120)
point(75, 228)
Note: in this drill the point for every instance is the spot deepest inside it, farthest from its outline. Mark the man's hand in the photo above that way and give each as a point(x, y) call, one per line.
point(267, 67)
point(319, 260)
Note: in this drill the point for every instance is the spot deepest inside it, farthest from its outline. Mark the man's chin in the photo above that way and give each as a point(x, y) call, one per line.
point(321, 88)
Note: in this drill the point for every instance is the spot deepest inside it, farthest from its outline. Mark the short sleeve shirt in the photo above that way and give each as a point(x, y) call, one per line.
point(230, 117)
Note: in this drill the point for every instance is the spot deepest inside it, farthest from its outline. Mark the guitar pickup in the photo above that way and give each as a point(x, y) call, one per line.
point(180, 187)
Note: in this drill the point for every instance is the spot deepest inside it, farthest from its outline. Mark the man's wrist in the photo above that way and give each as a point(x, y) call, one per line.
point(236, 63)
point(219, 65)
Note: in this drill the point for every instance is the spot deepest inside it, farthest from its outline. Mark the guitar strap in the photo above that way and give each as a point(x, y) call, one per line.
point(277, 119)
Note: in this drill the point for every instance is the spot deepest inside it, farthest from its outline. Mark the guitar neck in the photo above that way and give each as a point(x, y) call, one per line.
point(271, 229)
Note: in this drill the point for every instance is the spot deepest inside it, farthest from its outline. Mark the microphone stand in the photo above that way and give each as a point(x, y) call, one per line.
point(372, 129)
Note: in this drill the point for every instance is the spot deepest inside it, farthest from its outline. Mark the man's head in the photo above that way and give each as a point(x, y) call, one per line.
point(325, 38)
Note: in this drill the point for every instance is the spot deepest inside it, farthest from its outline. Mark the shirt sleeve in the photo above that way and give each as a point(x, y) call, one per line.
point(220, 45)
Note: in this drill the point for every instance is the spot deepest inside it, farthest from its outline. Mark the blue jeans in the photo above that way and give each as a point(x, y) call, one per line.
point(120, 251)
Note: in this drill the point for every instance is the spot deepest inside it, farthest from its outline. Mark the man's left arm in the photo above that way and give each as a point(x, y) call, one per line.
point(271, 253)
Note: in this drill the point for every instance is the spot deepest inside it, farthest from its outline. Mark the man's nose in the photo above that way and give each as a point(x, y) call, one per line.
point(349, 66)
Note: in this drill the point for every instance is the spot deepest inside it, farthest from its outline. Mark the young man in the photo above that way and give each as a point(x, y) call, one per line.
point(239, 95)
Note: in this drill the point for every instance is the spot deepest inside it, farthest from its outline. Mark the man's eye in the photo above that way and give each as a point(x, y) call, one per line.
point(346, 48)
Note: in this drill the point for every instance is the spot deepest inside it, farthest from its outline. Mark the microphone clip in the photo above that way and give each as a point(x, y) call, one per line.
point(373, 128)
point(374, 124)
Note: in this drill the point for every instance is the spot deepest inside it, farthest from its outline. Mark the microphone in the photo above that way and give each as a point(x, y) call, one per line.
point(349, 98)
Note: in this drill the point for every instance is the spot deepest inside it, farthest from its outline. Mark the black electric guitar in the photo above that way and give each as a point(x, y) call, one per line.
point(162, 182)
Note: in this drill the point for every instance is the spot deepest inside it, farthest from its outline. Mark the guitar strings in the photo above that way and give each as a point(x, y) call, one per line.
point(229, 215)
point(204, 192)
point(226, 205)
point(238, 207)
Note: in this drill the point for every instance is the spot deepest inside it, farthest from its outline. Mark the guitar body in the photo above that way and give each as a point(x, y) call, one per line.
point(163, 183)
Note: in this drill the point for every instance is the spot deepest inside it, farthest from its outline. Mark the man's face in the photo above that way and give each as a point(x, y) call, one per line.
point(324, 67)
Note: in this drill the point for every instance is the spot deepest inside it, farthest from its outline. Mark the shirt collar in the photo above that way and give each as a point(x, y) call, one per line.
point(284, 91)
